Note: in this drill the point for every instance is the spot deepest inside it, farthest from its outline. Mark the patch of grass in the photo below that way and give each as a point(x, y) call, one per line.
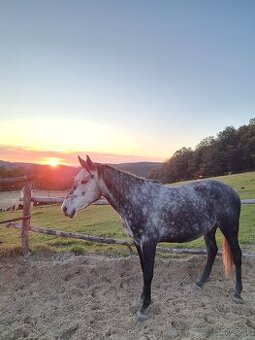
point(78, 250)
point(61, 242)
point(10, 250)
point(243, 183)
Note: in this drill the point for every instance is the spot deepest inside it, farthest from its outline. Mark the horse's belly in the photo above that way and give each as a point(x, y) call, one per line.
point(184, 233)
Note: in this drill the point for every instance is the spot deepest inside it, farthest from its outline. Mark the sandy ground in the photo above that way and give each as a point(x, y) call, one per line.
point(95, 297)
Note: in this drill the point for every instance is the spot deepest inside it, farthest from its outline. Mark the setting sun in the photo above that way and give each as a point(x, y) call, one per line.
point(54, 162)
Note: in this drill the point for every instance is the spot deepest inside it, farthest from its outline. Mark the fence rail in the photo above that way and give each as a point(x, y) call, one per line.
point(248, 201)
point(12, 180)
point(52, 200)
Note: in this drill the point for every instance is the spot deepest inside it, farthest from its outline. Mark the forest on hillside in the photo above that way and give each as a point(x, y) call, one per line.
point(231, 151)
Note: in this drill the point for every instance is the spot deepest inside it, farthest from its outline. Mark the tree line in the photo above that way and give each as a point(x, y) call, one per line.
point(231, 151)
point(10, 173)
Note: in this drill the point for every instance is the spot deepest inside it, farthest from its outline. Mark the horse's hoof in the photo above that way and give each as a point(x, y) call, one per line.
point(238, 299)
point(195, 289)
point(198, 285)
point(141, 316)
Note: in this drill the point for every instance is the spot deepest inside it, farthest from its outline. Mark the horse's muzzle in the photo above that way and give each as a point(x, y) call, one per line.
point(67, 213)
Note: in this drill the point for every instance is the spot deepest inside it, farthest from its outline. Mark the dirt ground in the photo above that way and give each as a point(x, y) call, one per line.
point(95, 297)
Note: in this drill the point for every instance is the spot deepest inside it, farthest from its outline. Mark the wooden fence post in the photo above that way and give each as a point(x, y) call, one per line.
point(26, 219)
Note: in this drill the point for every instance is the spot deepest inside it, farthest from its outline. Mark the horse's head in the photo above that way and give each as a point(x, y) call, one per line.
point(84, 191)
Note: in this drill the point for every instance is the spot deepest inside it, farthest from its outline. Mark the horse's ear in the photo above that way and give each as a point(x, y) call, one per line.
point(82, 162)
point(90, 164)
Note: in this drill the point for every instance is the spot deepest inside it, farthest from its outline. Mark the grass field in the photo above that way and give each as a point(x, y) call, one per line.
point(104, 221)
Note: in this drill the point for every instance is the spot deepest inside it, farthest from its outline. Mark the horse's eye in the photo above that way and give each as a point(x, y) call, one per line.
point(84, 181)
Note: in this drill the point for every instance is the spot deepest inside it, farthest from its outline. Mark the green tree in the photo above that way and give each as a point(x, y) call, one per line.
point(232, 150)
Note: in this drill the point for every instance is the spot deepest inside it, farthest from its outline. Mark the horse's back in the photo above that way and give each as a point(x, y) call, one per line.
point(210, 191)
point(217, 192)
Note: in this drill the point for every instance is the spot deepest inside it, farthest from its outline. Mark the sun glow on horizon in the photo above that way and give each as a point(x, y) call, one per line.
point(53, 162)
point(56, 142)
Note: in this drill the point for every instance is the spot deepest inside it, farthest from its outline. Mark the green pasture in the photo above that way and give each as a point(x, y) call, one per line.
point(104, 221)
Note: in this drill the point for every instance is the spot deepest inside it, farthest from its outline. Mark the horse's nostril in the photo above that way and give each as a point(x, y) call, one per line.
point(72, 213)
point(64, 208)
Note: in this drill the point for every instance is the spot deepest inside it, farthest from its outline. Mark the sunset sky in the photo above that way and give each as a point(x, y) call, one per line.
point(123, 80)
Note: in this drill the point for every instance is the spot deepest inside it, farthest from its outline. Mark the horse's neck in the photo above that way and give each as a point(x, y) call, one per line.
point(119, 188)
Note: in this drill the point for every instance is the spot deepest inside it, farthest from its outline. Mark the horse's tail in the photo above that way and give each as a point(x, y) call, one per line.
point(227, 258)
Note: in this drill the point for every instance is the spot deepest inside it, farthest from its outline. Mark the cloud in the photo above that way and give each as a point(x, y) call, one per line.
point(28, 155)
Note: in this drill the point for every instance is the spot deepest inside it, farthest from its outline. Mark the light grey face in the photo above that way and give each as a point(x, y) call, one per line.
point(84, 192)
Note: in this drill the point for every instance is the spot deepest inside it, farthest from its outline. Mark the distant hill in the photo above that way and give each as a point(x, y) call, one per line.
point(13, 165)
point(7, 165)
point(141, 169)
point(61, 177)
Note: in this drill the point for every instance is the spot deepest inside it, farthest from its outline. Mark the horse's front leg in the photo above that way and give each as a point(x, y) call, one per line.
point(147, 255)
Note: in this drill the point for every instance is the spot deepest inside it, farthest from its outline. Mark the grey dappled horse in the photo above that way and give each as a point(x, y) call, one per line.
point(153, 213)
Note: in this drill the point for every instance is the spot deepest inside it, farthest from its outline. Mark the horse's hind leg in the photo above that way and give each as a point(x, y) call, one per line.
point(232, 238)
point(211, 253)
point(237, 257)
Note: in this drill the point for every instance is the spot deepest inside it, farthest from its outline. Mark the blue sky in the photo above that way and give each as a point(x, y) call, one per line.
point(138, 79)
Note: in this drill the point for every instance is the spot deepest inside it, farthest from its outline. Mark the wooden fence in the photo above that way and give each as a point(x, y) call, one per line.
point(25, 226)
point(26, 211)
